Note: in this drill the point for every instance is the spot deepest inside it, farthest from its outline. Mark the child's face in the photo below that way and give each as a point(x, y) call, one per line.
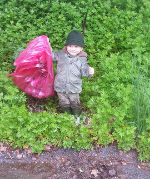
point(74, 49)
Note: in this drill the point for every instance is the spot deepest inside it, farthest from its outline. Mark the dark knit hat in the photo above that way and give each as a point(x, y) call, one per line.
point(75, 38)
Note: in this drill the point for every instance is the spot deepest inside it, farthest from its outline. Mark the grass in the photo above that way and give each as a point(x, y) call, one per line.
point(141, 94)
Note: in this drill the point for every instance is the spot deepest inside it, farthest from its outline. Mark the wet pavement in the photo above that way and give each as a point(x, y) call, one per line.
point(56, 163)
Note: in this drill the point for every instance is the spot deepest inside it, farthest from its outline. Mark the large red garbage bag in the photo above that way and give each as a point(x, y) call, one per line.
point(34, 69)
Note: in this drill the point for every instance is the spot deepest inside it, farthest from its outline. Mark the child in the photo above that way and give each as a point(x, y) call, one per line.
point(71, 66)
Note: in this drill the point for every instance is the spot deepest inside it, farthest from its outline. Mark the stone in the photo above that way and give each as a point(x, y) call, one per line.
point(112, 172)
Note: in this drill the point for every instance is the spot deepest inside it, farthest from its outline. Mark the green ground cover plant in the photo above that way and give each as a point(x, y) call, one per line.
point(115, 100)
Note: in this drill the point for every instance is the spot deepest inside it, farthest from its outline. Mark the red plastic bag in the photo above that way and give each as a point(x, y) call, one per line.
point(34, 69)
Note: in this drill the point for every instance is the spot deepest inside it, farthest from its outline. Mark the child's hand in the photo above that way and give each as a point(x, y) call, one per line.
point(91, 71)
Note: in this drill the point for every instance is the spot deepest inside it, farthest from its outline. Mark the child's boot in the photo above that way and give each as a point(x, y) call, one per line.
point(67, 110)
point(76, 112)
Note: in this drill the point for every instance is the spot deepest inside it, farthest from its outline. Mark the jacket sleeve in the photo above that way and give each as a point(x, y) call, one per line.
point(55, 56)
point(84, 68)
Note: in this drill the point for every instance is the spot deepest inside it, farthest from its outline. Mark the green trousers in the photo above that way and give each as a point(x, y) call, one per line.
point(70, 103)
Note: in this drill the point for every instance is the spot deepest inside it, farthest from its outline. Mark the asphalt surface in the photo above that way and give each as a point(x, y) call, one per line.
point(55, 163)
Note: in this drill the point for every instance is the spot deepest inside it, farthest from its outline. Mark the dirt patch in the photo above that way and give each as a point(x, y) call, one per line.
point(57, 163)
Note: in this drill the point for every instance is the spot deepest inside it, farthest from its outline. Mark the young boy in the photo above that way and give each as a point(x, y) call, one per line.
point(71, 66)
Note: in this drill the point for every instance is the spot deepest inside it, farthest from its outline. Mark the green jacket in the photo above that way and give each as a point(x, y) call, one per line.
point(69, 71)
